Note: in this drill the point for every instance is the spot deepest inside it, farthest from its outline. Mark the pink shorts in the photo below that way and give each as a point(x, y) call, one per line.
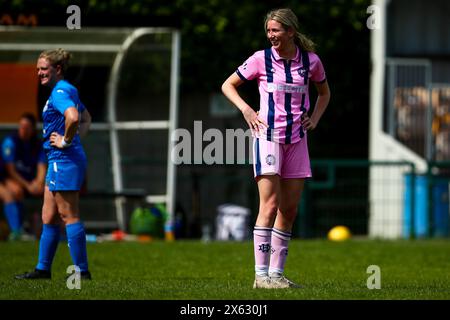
point(286, 160)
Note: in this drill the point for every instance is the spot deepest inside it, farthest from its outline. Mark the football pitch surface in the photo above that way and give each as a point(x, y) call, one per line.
point(193, 270)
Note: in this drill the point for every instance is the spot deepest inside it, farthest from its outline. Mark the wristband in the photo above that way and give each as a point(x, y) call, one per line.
point(65, 144)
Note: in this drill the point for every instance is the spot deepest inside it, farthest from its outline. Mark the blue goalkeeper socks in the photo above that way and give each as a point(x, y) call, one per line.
point(76, 238)
point(47, 246)
point(13, 216)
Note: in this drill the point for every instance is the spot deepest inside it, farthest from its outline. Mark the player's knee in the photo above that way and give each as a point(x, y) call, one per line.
point(48, 218)
point(289, 212)
point(69, 218)
point(6, 196)
point(269, 209)
point(64, 207)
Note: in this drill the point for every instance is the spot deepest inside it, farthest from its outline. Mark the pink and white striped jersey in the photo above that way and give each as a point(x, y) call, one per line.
point(283, 88)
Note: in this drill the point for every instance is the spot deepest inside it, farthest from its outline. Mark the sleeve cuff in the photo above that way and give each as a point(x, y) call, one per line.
point(241, 76)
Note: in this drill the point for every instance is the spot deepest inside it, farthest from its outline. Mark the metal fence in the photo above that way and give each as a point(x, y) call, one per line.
point(378, 199)
point(417, 106)
point(375, 199)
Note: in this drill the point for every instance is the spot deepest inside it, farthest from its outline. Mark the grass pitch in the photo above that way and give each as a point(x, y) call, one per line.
point(192, 270)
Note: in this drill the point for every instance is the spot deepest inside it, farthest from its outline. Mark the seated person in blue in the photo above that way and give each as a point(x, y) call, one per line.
point(24, 169)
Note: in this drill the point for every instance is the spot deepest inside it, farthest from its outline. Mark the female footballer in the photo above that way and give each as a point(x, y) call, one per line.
point(65, 119)
point(281, 160)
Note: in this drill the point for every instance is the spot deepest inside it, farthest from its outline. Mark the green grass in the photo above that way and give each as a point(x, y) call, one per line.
point(193, 270)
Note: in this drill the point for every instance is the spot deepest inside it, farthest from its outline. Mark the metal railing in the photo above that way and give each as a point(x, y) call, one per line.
point(417, 110)
point(378, 199)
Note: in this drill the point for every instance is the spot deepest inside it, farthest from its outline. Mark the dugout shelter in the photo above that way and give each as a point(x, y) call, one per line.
point(128, 79)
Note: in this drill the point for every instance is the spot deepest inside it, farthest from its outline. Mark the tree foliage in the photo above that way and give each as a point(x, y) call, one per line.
point(218, 35)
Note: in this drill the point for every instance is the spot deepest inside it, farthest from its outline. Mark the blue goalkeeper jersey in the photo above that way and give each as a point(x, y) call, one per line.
point(63, 96)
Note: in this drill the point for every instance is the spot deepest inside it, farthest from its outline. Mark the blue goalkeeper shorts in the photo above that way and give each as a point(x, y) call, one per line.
point(65, 175)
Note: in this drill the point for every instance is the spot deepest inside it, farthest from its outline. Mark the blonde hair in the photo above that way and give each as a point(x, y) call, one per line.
point(57, 57)
point(287, 18)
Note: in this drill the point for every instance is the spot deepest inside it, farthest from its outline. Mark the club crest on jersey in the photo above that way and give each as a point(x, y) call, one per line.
point(270, 159)
point(302, 71)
